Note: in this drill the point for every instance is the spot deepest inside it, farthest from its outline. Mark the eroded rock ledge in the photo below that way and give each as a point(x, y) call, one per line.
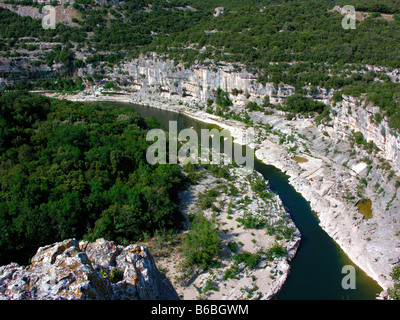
point(75, 270)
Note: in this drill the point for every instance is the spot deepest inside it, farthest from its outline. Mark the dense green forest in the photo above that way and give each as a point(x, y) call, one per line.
point(297, 42)
point(383, 6)
point(255, 32)
point(74, 170)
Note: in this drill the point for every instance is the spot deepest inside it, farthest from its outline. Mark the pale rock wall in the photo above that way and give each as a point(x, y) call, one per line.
point(358, 116)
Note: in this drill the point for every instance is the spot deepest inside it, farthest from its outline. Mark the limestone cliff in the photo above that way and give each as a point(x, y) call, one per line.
point(354, 115)
point(155, 75)
point(75, 270)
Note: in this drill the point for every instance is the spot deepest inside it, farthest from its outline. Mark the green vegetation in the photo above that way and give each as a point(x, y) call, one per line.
point(222, 99)
point(251, 222)
point(115, 275)
point(233, 246)
point(257, 183)
point(299, 104)
point(280, 230)
point(220, 171)
point(276, 251)
point(385, 6)
point(360, 141)
point(253, 106)
point(394, 292)
point(250, 259)
point(259, 186)
point(201, 246)
point(207, 198)
point(73, 170)
point(193, 173)
point(76, 170)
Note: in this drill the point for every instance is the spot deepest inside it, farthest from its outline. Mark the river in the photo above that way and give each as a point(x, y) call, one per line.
point(316, 270)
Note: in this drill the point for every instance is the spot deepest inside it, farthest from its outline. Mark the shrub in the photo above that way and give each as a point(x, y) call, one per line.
point(202, 244)
point(359, 138)
point(299, 104)
point(233, 246)
point(337, 96)
point(277, 250)
point(250, 259)
point(253, 106)
point(222, 99)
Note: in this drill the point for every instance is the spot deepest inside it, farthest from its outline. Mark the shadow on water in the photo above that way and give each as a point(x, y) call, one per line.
point(316, 270)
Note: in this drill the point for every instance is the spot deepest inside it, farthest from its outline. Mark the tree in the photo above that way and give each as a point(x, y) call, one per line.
point(78, 171)
point(202, 244)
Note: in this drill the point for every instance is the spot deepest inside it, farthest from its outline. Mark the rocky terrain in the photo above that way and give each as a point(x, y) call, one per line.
point(237, 215)
point(75, 270)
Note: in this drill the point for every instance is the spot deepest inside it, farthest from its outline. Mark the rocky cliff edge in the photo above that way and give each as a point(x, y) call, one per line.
point(75, 270)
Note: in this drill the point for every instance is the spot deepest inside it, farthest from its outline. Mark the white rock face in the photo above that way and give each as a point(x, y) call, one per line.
point(75, 270)
point(218, 11)
point(147, 75)
point(359, 116)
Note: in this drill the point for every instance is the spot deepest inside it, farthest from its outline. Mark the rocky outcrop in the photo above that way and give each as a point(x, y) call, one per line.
point(154, 75)
point(75, 270)
point(235, 280)
point(352, 114)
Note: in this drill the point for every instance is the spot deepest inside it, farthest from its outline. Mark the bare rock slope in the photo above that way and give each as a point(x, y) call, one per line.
point(86, 271)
